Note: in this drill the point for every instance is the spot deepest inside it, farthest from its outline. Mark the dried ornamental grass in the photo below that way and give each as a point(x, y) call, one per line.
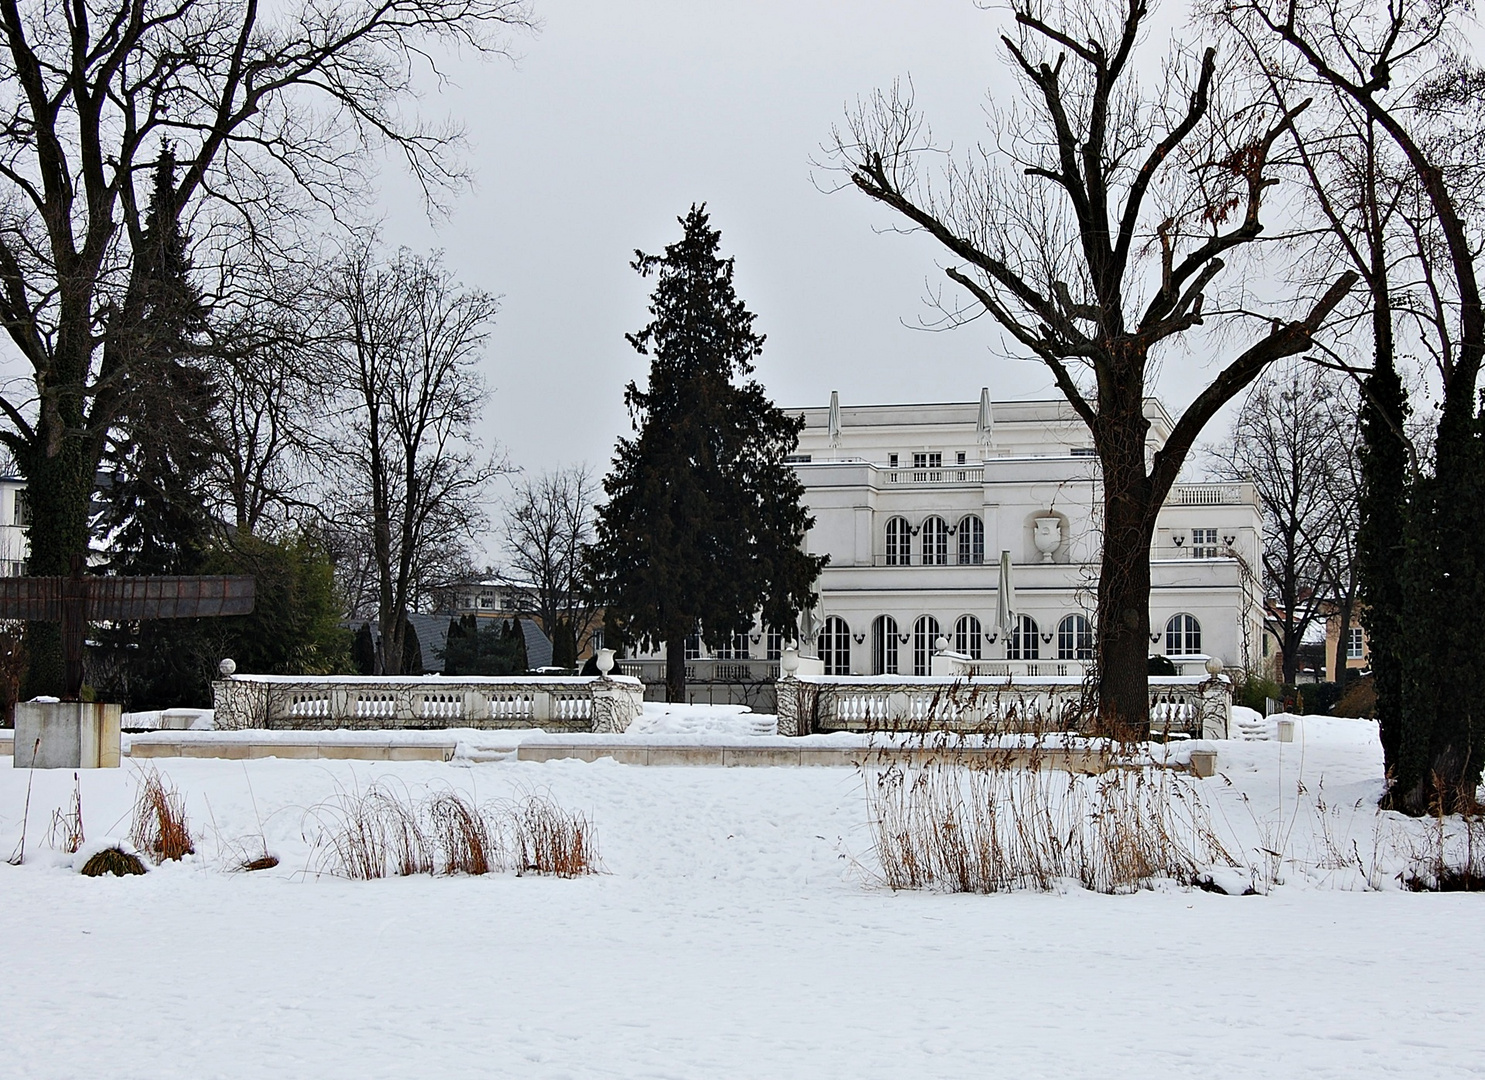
point(160, 828)
point(468, 842)
point(113, 861)
point(551, 840)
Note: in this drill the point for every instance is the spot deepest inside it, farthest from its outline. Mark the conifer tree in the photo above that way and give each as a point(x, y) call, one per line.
point(704, 526)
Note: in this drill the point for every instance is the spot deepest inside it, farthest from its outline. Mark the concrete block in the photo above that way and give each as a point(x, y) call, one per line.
point(687, 755)
point(759, 756)
point(66, 735)
point(1204, 763)
point(830, 757)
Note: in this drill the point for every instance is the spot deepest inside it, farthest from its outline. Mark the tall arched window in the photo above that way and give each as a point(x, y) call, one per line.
point(1023, 644)
point(1075, 638)
point(935, 542)
point(925, 631)
point(884, 645)
point(1182, 635)
point(971, 541)
point(967, 636)
point(898, 538)
point(835, 646)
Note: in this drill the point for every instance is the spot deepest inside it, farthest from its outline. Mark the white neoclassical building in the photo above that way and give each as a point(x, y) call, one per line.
point(914, 505)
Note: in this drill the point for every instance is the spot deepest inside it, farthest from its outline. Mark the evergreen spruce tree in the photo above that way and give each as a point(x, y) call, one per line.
point(704, 525)
point(154, 506)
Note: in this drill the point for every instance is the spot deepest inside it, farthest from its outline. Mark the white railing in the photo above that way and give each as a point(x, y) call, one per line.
point(1209, 495)
point(582, 703)
point(1180, 706)
point(953, 474)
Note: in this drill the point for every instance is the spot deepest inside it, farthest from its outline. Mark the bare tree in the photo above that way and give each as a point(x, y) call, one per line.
point(408, 482)
point(1399, 68)
point(548, 523)
point(264, 106)
point(1294, 440)
point(266, 366)
point(1092, 183)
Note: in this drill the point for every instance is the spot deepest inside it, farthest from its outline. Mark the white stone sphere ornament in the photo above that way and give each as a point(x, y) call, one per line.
point(1214, 665)
point(941, 644)
point(605, 661)
point(790, 660)
point(228, 667)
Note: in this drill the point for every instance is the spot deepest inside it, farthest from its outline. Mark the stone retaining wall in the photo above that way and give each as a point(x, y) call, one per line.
point(371, 702)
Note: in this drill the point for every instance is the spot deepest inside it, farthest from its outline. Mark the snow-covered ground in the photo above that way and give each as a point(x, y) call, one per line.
point(737, 931)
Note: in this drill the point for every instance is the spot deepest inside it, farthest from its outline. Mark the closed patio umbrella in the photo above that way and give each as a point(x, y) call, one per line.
point(833, 425)
point(1005, 599)
point(985, 426)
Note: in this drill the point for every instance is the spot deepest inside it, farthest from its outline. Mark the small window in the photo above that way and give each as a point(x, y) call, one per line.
point(732, 647)
point(925, 633)
point(693, 647)
point(884, 645)
point(775, 645)
point(1075, 638)
point(928, 461)
point(22, 509)
point(1355, 643)
point(835, 646)
point(899, 536)
point(1084, 451)
point(487, 603)
point(971, 541)
point(1203, 543)
point(1182, 635)
point(891, 461)
point(967, 637)
point(959, 458)
point(935, 542)
point(797, 459)
point(1023, 644)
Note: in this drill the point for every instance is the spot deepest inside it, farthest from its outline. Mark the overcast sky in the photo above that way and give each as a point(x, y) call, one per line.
point(617, 116)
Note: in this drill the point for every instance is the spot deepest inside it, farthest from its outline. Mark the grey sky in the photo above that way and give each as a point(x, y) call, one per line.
point(617, 116)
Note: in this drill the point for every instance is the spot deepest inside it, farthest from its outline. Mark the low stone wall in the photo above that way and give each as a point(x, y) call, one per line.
point(585, 703)
point(1181, 706)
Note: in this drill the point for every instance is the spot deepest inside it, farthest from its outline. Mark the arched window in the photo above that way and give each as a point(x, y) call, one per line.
point(1075, 638)
point(898, 538)
point(1182, 635)
point(1023, 644)
point(967, 636)
point(935, 542)
point(971, 541)
point(884, 645)
point(835, 646)
point(925, 632)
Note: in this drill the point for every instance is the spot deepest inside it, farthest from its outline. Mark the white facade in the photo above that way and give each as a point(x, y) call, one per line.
point(915, 503)
point(15, 518)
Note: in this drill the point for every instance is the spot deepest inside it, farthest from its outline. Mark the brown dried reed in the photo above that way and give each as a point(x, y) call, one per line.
point(160, 828)
point(990, 825)
point(468, 841)
point(551, 840)
point(382, 832)
point(66, 830)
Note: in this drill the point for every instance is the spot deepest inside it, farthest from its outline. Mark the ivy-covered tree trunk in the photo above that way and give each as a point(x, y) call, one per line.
point(1381, 538)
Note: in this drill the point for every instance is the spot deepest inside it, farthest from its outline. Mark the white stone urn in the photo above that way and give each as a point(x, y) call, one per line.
point(1048, 536)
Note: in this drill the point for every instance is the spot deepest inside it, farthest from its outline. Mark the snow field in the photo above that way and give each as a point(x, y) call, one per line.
point(737, 931)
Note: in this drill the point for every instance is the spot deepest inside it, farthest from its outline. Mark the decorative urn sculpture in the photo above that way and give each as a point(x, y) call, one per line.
point(1048, 536)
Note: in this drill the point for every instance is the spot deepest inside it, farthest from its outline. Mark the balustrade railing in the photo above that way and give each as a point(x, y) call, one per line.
point(582, 703)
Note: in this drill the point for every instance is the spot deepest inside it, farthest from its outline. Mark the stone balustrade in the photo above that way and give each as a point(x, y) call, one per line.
point(581, 703)
point(1181, 706)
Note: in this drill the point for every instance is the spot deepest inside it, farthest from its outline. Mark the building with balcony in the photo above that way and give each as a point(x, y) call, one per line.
point(914, 505)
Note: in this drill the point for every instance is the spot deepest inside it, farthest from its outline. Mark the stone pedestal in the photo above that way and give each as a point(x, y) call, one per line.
point(66, 735)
